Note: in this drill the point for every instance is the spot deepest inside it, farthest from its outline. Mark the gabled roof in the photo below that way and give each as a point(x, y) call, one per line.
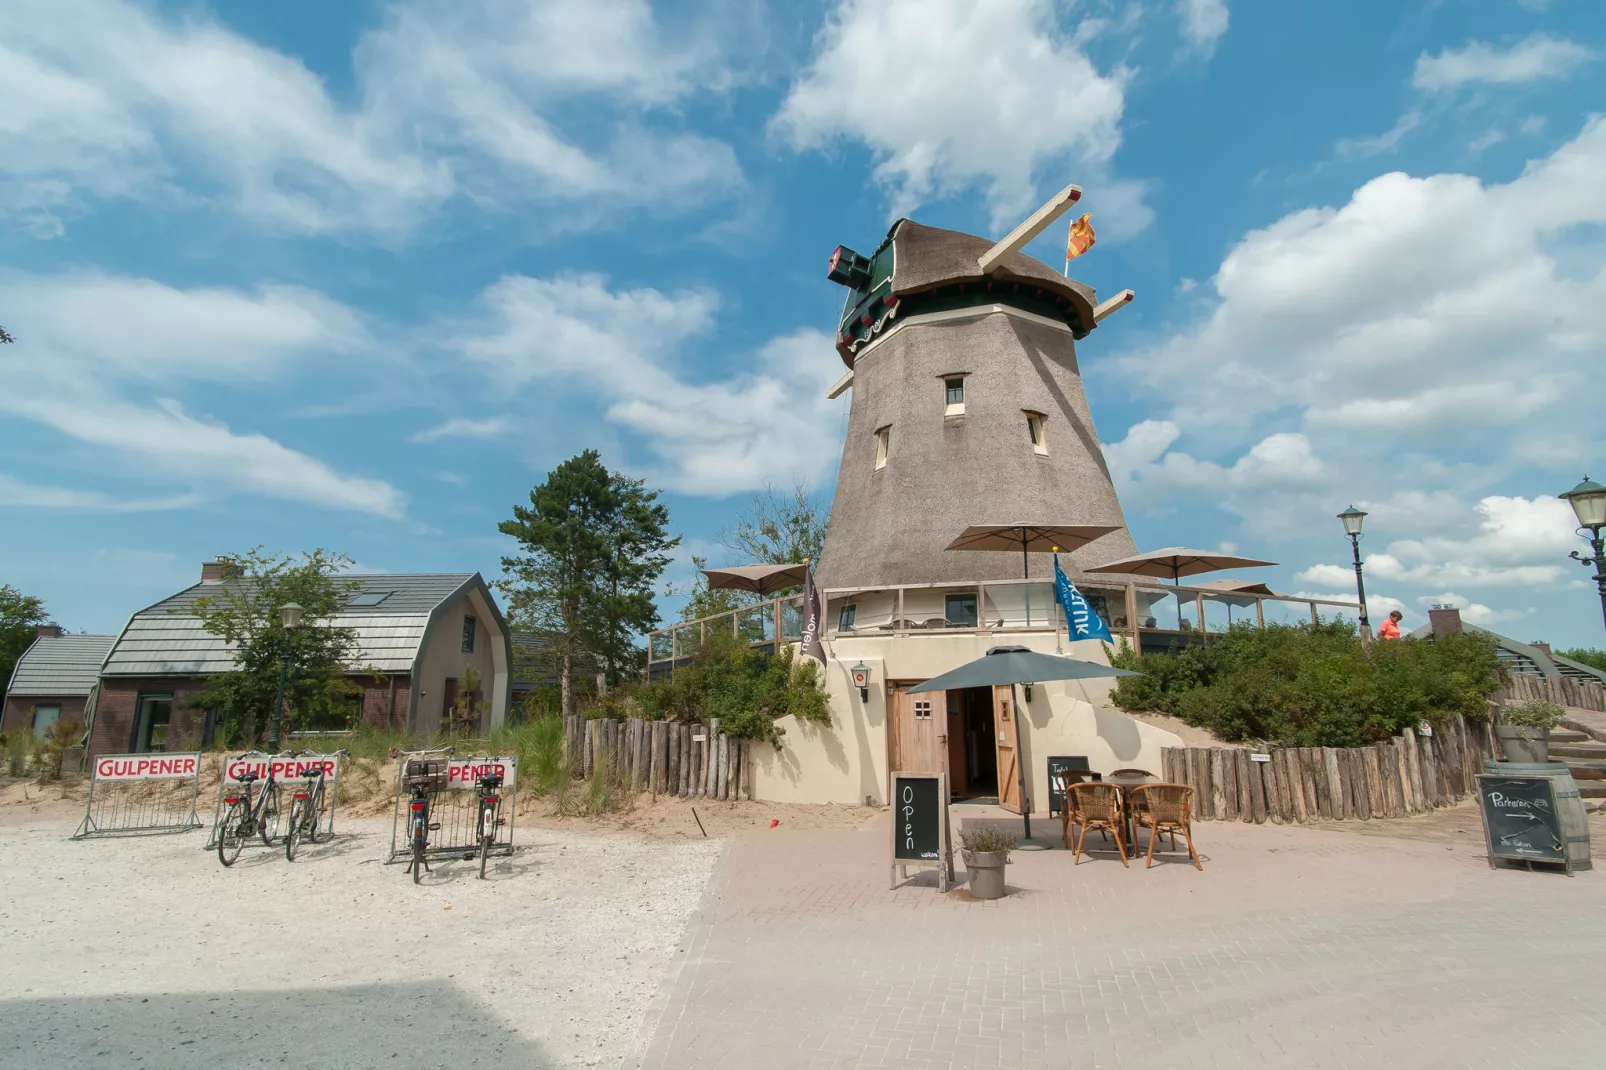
point(60, 666)
point(167, 639)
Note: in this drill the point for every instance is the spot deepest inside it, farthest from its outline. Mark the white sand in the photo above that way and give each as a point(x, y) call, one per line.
point(148, 953)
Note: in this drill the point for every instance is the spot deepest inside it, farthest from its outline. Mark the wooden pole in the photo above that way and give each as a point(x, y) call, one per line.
point(1132, 617)
point(1257, 790)
point(1246, 803)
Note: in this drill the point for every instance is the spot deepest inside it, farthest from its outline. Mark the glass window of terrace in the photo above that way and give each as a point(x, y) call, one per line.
point(961, 610)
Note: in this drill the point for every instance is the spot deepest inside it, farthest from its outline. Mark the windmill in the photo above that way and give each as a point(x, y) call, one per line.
point(967, 407)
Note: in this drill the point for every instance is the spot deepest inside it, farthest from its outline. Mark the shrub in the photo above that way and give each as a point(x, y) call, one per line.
point(19, 748)
point(986, 838)
point(746, 689)
point(1533, 713)
point(59, 739)
point(1310, 685)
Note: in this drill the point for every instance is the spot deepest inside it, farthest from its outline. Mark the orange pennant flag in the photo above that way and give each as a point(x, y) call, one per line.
point(1081, 238)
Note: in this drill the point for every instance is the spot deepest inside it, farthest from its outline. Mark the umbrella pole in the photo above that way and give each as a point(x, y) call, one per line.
point(1026, 575)
point(1027, 842)
point(1176, 592)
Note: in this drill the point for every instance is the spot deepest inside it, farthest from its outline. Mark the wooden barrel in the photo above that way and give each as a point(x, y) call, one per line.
point(1569, 803)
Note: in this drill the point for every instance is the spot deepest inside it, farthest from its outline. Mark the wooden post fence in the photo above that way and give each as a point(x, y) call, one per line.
point(662, 757)
point(1409, 774)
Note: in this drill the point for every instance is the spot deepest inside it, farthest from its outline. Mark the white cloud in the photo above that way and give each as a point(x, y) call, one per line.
point(464, 428)
point(768, 423)
point(1146, 470)
point(88, 342)
point(955, 94)
point(1473, 612)
point(1536, 57)
point(107, 99)
point(18, 494)
point(1203, 23)
point(1384, 142)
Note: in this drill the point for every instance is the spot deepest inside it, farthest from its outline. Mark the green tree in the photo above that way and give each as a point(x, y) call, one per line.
point(592, 544)
point(778, 528)
point(244, 611)
point(20, 617)
point(5, 339)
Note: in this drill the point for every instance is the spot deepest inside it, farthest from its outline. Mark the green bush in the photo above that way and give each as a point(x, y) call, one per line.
point(1309, 686)
point(745, 688)
point(1534, 713)
point(1595, 659)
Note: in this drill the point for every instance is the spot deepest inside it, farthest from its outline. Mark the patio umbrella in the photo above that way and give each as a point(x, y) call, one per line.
point(1029, 537)
point(1231, 588)
point(1017, 665)
point(1177, 562)
point(760, 579)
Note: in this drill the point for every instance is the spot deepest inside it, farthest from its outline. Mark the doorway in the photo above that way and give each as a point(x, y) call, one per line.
point(972, 753)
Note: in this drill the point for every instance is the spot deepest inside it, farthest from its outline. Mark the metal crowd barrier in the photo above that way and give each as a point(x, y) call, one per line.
point(455, 809)
point(287, 771)
point(137, 794)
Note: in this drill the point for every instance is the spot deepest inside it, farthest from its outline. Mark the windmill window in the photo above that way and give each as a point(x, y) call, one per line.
point(1035, 431)
point(953, 395)
point(883, 443)
point(845, 618)
point(960, 610)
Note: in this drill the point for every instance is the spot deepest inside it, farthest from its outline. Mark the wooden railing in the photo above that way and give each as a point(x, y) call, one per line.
point(1408, 774)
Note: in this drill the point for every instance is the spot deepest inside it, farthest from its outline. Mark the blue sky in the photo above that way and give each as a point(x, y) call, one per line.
point(356, 276)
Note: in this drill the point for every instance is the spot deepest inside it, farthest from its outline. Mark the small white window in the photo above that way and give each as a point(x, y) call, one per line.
point(954, 395)
point(883, 442)
point(1034, 430)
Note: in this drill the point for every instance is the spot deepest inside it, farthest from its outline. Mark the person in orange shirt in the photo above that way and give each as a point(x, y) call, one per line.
point(1390, 629)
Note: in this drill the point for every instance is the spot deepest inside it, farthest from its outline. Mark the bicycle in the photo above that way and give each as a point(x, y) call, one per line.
point(490, 802)
point(245, 818)
point(309, 813)
point(422, 776)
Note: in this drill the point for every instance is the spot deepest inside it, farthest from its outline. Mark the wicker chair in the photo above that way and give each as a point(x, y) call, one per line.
point(1098, 806)
point(1164, 809)
point(1064, 780)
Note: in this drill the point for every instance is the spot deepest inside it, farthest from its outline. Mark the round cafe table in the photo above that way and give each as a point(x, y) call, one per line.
point(1126, 782)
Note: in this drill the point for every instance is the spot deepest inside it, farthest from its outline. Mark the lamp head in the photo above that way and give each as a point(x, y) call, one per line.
point(1588, 500)
point(290, 615)
point(861, 680)
point(1353, 518)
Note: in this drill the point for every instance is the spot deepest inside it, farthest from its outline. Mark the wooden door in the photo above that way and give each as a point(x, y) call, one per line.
point(1008, 748)
point(919, 731)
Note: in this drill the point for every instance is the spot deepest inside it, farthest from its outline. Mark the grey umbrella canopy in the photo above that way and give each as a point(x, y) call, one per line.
point(1176, 562)
point(1027, 538)
point(1017, 665)
point(760, 579)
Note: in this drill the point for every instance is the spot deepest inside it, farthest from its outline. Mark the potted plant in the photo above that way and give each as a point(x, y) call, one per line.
point(1523, 729)
point(986, 850)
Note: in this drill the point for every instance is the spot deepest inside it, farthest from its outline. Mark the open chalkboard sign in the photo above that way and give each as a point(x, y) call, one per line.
point(1520, 819)
point(1062, 763)
point(920, 825)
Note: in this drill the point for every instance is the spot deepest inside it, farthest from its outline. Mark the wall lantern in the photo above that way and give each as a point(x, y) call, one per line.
point(1027, 688)
point(861, 680)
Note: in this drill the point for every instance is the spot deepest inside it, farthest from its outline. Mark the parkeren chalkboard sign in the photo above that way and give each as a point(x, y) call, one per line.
point(920, 825)
point(1520, 820)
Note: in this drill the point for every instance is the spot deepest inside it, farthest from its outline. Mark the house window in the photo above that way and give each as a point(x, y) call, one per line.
point(468, 635)
point(883, 443)
point(1034, 430)
point(152, 713)
point(954, 393)
point(846, 617)
point(961, 610)
point(44, 717)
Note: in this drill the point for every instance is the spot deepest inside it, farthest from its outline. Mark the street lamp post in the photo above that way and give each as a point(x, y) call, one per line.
point(1353, 518)
point(1588, 500)
point(290, 617)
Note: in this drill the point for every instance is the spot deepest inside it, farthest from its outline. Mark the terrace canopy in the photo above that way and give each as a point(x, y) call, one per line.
point(1176, 562)
point(1029, 538)
point(759, 579)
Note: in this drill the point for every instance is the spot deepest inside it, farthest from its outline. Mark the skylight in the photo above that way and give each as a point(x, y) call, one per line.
point(369, 598)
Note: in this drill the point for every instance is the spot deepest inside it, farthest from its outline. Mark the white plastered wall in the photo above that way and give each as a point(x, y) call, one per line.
point(847, 762)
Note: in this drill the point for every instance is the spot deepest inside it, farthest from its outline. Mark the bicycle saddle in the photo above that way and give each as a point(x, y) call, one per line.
point(246, 778)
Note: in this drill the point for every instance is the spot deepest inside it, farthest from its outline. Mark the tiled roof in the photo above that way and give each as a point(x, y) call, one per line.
point(61, 665)
point(167, 640)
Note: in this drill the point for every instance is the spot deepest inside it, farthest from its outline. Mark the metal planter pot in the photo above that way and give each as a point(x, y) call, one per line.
point(1523, 744)
point(986, 872)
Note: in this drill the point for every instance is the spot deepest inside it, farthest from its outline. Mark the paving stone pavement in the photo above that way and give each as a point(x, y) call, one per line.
point(1296, 947)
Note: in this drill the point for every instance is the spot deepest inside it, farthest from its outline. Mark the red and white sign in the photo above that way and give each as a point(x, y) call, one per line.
point(285, 768)
point(463, 773)
point(146, 766)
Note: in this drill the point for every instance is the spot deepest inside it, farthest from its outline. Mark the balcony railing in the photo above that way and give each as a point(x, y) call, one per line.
point(1152, 616)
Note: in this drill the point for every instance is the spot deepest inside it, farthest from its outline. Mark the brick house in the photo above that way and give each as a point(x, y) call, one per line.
point(415, 636)
point(53, 680)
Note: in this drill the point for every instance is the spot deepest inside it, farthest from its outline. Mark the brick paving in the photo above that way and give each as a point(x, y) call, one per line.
point(1296, 947)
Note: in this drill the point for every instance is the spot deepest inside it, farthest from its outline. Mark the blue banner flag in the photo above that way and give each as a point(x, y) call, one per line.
point(1080, 620)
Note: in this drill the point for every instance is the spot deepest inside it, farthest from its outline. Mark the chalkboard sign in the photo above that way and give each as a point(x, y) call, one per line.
point(1059, 763)
point(1520, 821)
point(920, 824)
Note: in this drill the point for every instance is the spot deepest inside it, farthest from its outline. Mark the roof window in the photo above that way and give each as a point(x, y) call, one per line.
point(369, 598)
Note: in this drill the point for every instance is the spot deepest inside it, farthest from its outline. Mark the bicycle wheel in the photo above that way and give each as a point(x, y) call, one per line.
point(418, 863)
point(268, 824)
point(229, 837)
point(319, 830)
point(292, 834)
point(485, 852)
